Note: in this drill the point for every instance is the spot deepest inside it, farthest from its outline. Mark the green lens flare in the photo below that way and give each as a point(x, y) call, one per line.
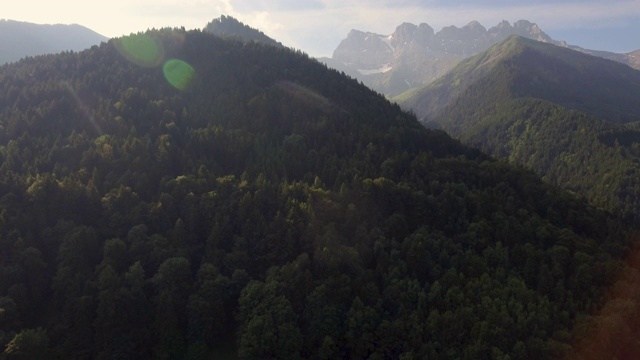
point(141, 49)
point(178, 73)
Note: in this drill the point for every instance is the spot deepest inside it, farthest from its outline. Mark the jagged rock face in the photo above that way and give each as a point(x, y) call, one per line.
point(364, 50)
point(405, 33)
point(413, 56)
point(532, 31)
point(463, 41)
point(424, 34)
point(367, 49)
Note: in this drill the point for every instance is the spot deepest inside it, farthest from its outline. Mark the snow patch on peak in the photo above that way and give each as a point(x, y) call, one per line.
point(381, 70)
point(389, 41)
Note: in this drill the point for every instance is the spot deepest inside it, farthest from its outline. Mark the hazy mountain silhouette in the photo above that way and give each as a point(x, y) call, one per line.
point(413, 56)
point(19, 39)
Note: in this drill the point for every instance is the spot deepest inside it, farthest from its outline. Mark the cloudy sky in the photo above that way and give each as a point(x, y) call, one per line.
point(318, 26)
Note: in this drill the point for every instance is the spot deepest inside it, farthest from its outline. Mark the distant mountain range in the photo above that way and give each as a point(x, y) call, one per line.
point(571, 117)
point(413, 56)
point(19, 39)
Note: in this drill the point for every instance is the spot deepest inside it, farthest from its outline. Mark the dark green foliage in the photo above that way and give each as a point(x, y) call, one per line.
point(272, 209)
point(229, 27)
point(29, 344)
point(268, 325)
point(566, 115)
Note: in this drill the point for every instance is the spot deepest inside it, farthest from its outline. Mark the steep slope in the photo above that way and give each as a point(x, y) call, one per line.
point(567, 115)
point(19, 39)
point(177, 195)
point(413, 56)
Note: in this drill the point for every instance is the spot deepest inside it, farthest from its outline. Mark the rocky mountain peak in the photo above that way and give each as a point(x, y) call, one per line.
point(425, 29)
point(531, 30)
point(423, 35)
point(404, 33)
point(363, 50)
point(354, 33)
point(413, 56)
point(475, 27)
point(504, 24)
point(502, 30)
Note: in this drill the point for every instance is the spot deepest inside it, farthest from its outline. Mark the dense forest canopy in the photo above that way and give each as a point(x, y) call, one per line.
point(199, 198)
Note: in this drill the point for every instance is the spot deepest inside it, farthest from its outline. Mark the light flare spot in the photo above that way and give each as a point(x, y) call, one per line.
point(178, 73)
point(141, 49)
point(85, 111)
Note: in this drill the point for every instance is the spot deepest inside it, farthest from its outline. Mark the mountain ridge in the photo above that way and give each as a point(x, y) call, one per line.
point(558, 73)
point(230, 27)
point(413, 56)
point(19, 39)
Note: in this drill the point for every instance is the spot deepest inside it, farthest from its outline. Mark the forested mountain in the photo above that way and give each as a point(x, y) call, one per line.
point(19, 39)
point(415, 55)
point(177, 195)
point(569, 116)
point(229, 27)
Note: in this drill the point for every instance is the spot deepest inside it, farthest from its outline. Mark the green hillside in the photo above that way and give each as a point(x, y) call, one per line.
point(568, 116)
point(520, 67)
point(176, 195)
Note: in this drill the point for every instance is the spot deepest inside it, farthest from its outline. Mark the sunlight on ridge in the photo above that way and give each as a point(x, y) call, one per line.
point(86, 112)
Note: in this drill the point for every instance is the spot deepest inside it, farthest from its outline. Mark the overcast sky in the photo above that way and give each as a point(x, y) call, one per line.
point(317, 26)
